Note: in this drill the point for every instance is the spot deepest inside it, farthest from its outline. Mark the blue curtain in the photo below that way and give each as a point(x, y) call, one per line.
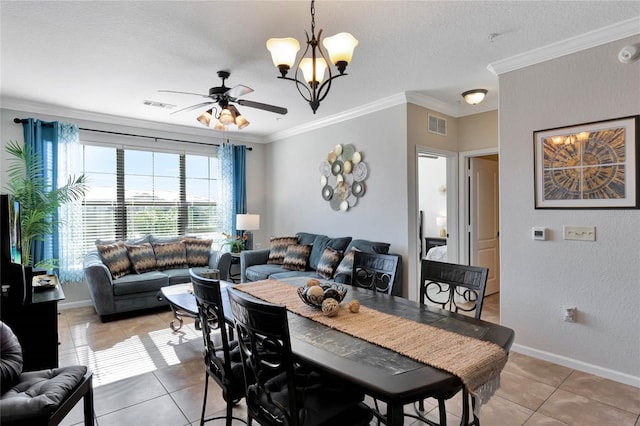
point(233, 188)
point(42, 138)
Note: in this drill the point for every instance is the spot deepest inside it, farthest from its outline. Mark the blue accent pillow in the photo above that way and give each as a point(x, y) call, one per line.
point(369, 246)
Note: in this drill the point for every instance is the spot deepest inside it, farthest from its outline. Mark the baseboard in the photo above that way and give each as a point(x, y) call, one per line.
point(578, 365)
point(70, 305)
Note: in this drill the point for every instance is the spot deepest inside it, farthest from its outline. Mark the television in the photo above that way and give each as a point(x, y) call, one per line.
point(14, 277)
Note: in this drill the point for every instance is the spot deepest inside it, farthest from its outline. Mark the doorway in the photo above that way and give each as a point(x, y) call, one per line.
point(437, 183)
point(480, 238)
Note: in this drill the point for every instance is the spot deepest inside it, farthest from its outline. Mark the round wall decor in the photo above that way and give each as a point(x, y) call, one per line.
point(342, 177)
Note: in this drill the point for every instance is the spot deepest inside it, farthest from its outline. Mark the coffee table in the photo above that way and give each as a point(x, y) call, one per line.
point(183, 303)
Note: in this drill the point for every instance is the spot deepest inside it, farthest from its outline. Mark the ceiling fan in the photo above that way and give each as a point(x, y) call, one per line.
point(224, 96)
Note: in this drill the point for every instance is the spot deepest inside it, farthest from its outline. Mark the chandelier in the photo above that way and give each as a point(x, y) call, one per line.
point(312, 88)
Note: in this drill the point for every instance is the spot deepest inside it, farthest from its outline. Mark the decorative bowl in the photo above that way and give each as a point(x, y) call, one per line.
point(332, 291)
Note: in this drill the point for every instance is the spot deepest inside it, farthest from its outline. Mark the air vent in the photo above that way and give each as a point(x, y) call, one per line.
point(437, 125)
point(158, 104)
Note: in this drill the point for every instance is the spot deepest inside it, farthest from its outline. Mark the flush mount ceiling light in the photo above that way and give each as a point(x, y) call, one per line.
point(312, 88)
point(475, 96)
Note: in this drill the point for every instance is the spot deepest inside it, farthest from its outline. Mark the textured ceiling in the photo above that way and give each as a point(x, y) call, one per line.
point(109, 56)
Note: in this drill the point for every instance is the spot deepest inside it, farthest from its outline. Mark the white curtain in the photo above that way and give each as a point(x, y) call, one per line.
point(225, 210)
point(71, 218)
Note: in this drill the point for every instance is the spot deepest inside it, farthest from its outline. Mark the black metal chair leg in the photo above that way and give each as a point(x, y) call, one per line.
point(465, 408)
point(442, 412)
point(204, 401)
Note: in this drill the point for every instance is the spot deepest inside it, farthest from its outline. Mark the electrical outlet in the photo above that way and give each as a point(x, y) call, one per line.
point(580, 233)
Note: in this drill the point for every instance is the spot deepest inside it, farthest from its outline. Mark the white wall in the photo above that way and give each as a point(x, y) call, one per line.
point(601, 278)
point(293, 191)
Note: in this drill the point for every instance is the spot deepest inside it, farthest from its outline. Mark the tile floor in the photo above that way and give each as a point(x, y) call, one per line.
point(145, 374)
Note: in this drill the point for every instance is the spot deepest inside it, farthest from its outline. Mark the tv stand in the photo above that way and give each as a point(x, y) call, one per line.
point(35, 323)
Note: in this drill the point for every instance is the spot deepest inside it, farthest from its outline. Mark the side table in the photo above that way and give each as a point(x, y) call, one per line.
point(235, 260)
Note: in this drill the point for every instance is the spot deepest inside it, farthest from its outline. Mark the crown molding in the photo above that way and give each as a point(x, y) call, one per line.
point(575, 44)
point(379, 105)
point(425, 101)
point(75, 114)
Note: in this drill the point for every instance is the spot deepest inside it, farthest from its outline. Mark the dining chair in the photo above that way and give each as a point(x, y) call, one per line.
point(457, 288)
point(374, 271)
point(286, 393)
point(222, 358)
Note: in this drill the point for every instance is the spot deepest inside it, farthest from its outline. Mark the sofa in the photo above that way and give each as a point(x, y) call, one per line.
point(125, 276)
point(311, 255)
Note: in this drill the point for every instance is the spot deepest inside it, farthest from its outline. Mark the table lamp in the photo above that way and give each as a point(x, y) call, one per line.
point(248, 223)
point(441, 221)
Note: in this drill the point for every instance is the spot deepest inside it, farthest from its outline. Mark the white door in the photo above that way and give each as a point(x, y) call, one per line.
point(485, 221)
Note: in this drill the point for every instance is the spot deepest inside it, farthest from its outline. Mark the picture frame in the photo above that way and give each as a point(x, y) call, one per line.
point(588, 166)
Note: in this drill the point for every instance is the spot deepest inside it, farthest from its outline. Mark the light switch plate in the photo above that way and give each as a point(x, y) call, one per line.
point(580, 233)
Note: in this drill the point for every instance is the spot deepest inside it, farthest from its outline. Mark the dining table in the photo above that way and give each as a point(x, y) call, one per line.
point(382, 373)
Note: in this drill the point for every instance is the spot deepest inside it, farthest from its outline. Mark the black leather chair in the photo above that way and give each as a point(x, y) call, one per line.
point(374, 271)
point(41, 397)
point(285, 393)
point(222, 360)
point(457, 288)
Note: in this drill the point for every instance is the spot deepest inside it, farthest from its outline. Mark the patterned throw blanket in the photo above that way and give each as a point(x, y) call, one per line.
point(476, 362)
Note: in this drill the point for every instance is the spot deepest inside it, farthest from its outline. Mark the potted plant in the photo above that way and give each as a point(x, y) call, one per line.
point(235, 244)
point(38, 202)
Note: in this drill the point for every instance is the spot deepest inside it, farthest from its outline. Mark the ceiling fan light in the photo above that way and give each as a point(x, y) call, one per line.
point(475, 96)
point(283, 51)
point(205, 117)
point(226, 117)
point(219, 126)
point(340, 47)
point(241, 122)
point(306, 65)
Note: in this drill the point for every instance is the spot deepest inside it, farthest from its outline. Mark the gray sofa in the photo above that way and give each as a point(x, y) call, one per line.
point(255, 266)
point(134, 291)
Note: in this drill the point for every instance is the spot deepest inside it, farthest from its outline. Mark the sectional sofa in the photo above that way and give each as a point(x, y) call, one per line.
point(311, 255)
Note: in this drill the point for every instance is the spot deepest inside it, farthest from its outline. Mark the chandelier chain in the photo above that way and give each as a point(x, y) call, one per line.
point(313, 18)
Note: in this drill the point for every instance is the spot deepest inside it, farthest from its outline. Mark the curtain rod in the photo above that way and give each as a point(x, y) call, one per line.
point(19, 120)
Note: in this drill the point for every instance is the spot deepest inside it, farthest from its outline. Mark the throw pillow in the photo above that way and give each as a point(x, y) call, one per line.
point(142, 257)
point(197, 251)
point(171, 255)
point(297, 257)
point(116, 258)
point(328, 262)
point(278, 249)
point(346, 264)
point(369, 246)
point(321, 242)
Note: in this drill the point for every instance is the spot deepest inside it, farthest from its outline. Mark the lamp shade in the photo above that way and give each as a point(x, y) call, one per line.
point(226, 117)
point(247, 222)
point(474, 96)
point(283, 50)
point(306, 65)
point(340, 47)
point(241, 122)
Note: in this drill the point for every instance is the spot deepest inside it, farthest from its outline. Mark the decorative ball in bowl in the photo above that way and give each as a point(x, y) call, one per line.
point(316, 294)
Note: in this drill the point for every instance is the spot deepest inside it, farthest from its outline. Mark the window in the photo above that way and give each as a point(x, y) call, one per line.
point(134, 192)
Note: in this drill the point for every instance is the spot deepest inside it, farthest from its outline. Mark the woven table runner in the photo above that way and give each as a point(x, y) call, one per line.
point(476, 362)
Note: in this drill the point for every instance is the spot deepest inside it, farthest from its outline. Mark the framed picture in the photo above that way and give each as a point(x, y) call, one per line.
point(588, 166)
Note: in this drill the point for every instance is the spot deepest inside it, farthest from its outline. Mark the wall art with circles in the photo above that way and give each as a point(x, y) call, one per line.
point(342, 177)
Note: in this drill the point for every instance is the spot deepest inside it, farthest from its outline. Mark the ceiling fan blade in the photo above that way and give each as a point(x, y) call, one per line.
point(239, 90)
point(184, 93)
point(192, 107)
point(259, 105)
